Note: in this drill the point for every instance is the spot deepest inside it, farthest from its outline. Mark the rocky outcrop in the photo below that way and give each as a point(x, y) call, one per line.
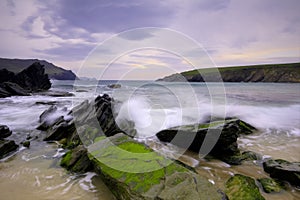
point(242, 187)
point(283, 170)
point(54, 72)
point(133, 171)
point(97, 113)
point(31, 79)
point(281, 73)
point(129, 168)
point(224, 133)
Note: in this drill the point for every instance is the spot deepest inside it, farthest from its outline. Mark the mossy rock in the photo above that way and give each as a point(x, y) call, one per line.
point(133, 171)
point(76, 160)
point(283, 170)
point(270, 185)
point(220, 136)
point(242, 187)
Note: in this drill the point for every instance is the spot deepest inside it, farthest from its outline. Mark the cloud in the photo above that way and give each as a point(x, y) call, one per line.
point(111, 16)
point(233, 32)
point(68, 52)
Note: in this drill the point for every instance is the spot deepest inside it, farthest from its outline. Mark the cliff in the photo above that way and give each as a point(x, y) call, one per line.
point(281, 73)
point(54, 72)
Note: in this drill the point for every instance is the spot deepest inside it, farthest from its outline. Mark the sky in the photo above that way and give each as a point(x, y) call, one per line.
point(75, 34)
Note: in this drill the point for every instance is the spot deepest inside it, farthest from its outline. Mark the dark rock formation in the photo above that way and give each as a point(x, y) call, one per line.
point(8, 89)
point(242, 187)
point(192, 136)
point(97, 113)
point(4, 131)
point(32, 79)
point(283, 170)
point(284, 73)
point(86, 122)
point(7, 147)
point(54, 72)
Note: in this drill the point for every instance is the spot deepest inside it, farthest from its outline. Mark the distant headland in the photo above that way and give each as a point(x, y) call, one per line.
point(277, 73)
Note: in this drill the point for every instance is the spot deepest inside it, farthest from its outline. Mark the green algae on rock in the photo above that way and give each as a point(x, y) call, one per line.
point(269, 185)
point(242, 187)
point(76, 160)
point(133, 171)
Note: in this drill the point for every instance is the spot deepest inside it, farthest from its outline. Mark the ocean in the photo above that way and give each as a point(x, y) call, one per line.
point(34, 173)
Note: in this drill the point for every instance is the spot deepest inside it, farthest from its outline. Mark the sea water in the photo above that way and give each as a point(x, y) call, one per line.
point(273, 108)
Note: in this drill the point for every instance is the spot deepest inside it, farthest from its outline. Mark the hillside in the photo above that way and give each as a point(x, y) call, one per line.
point(281, 73)
point(54, 72)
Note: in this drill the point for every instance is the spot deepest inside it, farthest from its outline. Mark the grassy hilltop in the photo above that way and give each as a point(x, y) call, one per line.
point(284, 73)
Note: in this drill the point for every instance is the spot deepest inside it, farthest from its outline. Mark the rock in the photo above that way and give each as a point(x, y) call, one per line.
point(51, 103)
point(283, 170)
point(55, 93)
point(192, 137)
point(47, 113)
point(52, 118)
point(33, 78)
point(242, 187)
point(4, 131)
point(95, 113)
point(77, 160)
point(81, 90)
point(114, 86)
point(269, 185)
point(6, 75)
point(133, 171)
point(12, 89)
point(6, 147)
point(59, 131)
point(26, 144)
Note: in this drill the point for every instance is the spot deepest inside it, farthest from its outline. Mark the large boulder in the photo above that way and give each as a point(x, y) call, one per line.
point(223, 134)
point(4, 131)
point(7, 147)
point(283, 170)
point(133, 171)
point(242, 187)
